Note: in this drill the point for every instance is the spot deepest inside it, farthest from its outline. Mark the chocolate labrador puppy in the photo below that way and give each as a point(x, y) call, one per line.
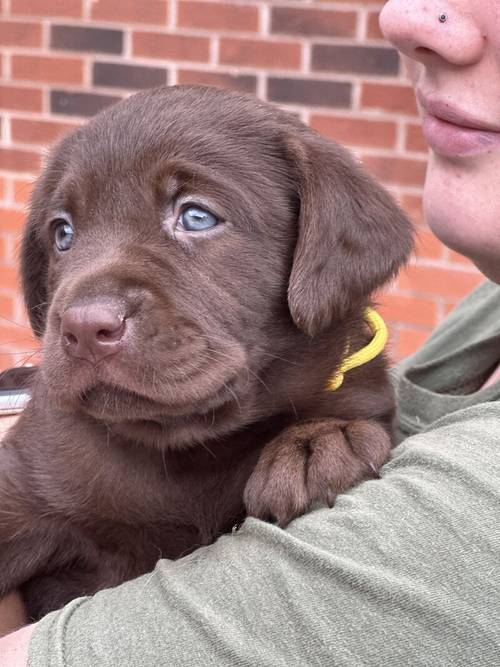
point(198, 263)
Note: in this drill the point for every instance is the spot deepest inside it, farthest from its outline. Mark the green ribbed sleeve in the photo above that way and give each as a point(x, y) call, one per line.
point(402, 571)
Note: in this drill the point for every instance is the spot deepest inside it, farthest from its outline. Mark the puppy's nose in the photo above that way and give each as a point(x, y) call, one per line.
point(92, 332)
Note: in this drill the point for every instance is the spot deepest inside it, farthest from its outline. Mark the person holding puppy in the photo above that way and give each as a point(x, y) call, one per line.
point(403, 570)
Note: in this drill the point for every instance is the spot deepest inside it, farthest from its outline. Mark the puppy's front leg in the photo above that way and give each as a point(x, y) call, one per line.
point(28, 535)
point(310, 463)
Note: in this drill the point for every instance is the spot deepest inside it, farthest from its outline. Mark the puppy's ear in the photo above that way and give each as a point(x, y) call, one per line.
point(352, 237)
point(34, 268)
point(34, 250)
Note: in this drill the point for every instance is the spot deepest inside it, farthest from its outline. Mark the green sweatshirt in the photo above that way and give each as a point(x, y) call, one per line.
point(402, 571)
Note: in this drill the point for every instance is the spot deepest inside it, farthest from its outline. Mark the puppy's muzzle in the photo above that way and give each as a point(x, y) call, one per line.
point(94, 331)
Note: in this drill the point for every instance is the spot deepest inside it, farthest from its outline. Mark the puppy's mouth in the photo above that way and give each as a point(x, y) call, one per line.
point(116, 405)
point(140, 419)
point(125, 387)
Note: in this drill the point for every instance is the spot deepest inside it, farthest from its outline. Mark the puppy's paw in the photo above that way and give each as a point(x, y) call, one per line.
point(309, 464)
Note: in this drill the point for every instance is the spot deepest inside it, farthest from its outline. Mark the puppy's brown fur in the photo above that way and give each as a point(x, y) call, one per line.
point(215, 403)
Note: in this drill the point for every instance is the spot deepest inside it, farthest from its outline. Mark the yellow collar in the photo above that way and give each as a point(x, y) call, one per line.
point(367, 353)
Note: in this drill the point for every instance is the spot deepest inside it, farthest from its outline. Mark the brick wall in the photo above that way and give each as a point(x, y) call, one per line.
point(63, 60)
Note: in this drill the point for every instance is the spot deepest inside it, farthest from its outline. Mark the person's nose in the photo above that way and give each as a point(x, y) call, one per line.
point(430, 31)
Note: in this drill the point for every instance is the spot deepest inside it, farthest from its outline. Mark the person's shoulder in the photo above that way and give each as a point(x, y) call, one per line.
point(486, 293)
point(477, 311)
point(14, 647)
point(475, 317)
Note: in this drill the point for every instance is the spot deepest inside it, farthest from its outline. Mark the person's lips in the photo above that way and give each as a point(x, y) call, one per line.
point(451, 132)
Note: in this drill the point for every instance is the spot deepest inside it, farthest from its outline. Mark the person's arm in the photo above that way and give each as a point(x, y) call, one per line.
point(14, 647)
point(402, 570)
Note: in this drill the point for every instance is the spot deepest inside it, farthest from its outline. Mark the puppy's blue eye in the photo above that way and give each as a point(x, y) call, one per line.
point(195, 219)
point(63, 235)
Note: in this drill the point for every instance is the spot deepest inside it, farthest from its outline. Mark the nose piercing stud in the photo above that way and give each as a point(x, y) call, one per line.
point(443, 17)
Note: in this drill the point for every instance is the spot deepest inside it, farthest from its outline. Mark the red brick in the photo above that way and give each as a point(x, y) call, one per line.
point(217, 16)
point(308, 21)
point(408, 342)
point(6, 302)
point(86, 38)
point(38, 131)
point(70, 8)
point(356, 131)
point(120, 75)
point(428, 246)
point(12, 159)
point(17, 336)
point(357, 2)
point(395, 170)
point(389, 98)
point(3, 251)
point(260, 53)
point(410, 310)
point(6, 361)
point(130, 11)
point(373, 29)
point(11, 220)
point(80, 103)
point(171, 47)
point(10, 278)
point(19, 34)
point(10, 336)
point(309, 92)
point(413, 206)
point(353, 59)
point(415, 139)
point(20, 99)
point(244, 82)
point(457, 258)
point(432, 280)
point(22, 190)
point(51, 70)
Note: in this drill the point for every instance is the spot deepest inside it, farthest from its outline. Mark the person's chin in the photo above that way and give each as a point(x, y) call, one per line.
point(462, 207)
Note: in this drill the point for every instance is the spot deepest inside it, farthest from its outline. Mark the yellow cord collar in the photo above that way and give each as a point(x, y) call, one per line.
point(367, 353)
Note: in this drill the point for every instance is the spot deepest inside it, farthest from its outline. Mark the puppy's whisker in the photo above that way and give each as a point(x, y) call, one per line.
point(261, 350)
point(218, 341)
point(145, 385)
point(246, 368)
point(108, 436)
point(17, 324)
point(258, 378)
point(237, 400)
point(204, 445)
point(265, 353)
point(30, 356)
point(153, 382)
point(16, 340)
point(164, 461)
point(39, 305)
point(293, 407)
point(25, 360)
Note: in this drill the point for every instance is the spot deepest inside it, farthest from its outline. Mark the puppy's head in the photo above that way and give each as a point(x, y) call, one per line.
point(183, 242)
